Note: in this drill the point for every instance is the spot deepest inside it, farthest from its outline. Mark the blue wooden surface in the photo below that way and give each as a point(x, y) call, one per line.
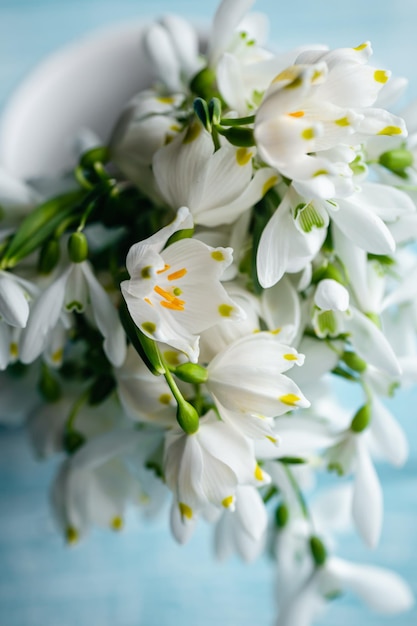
point(141, 577)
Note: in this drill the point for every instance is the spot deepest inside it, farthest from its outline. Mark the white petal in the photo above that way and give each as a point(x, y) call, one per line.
point(181, 527)
point(107, 319)
point(367, 505)
point(380, 589)
point(390, 436)
point(14, 307)
point(227, 18)
point(331, 295)
point(370, 343)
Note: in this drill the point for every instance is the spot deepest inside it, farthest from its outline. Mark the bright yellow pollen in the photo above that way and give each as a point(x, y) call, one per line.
point(290, 398)
point(14, 350)
point(361, 47)
point(177, 275)
point(164, 269)
point(57, 355)
point(342, 121)
point(148, 301)
point(185, 510)
point(227, 502)
point(243, 156)
point(117, 523)
point(171, 301)
point(225, 310)
point(269, 184)
point(390, 130)
point(308, 133)
point(381, 76)
point(297, 114)
point(258, 473)
point(166, 99)
point(165, 398)
point(71, 535)
point(290, 357)
point(217, 255)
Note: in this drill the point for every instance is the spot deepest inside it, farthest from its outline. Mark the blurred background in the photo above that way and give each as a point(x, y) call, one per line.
point(140, 577)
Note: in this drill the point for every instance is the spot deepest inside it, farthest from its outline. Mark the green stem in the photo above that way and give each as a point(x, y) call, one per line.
point(69, 425)
point(298, 493)
point(240, 121)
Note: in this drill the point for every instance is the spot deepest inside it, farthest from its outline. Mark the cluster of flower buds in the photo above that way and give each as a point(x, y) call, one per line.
point(180, 319)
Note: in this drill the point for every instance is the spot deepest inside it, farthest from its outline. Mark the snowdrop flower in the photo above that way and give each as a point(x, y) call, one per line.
point(217, 186)
point(94, 486)
point(316, 104)
point(242, 530)
point(74, 290)
point(206, 467)
point(248, 384)
point(383, 591)
point(175, 293)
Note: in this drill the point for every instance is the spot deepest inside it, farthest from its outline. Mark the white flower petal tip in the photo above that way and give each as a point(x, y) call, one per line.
point(14, 307)
point(331, 295)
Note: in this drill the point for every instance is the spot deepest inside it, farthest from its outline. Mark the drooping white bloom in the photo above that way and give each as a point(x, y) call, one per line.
point(74, 290)
point(175, 293)
point(206, 467)
point(217, 186)
point(248, 384)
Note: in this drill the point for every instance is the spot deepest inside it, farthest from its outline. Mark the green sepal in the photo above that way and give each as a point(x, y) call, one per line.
point(362, 419)
point(292, 460)
point(202, 111)
point(318, 550)
point(239, 137)
point(191, 373)
point(145, 347)
point(39, 226)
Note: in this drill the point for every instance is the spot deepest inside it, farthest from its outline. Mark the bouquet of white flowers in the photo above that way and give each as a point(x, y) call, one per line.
point(179, 319)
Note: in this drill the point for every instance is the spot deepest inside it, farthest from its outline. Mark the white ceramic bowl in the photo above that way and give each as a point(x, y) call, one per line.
point(85, 85)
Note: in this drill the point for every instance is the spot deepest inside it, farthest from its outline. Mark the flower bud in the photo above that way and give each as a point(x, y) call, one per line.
point(204, 83)
point(396, 160)
point(187, 417)
point(361, 419)
point(240, 137)
point(354, 362)
point(191, 373)
point(318, 551)
point(77, 247)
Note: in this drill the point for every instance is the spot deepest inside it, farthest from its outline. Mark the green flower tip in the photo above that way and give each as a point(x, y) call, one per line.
point(282, 515)
point(191, 373)
point(318, 551)
point(361, 419)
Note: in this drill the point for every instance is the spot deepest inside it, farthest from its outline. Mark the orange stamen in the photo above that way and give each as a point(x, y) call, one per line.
point(178, 274)
point(297, 114)
point(164, 269)
point(176, 305)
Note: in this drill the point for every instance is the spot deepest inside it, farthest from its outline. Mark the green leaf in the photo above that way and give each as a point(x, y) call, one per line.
point(145, 347)
point(39, 225)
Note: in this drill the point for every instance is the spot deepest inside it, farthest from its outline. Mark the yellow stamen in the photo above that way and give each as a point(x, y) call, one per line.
point(272, 439)
point(164, 269)
point(290, 398)
point(269, 184)
point(361, 47)
point(148, 301)
point(381, 76)
point(175, 305)
point(177, 275)
point(297, 114)
point(290, 357)
point(390, 130)
point(258, 473)
point(227, 502)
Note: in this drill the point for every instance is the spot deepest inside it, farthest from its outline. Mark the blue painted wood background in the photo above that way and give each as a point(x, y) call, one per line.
point(141, 577)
